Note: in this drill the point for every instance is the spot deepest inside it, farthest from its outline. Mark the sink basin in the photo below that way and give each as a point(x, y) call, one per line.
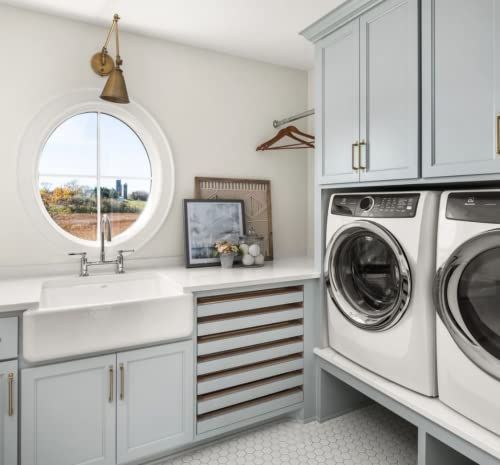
point(101, 313)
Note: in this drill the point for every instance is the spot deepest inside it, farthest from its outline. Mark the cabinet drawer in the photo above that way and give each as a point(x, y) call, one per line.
point(251, 409)
point(249, 337)
point(248, 356)
point(241, 302)
point(249, 374)
point(249, 319)
point(237, 395)
point(8, 338)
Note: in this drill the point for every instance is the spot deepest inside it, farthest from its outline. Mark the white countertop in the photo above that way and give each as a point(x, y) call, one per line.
point(21, 294)
point(431, 408)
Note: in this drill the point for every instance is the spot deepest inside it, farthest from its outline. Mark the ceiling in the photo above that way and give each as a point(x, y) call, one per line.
point(265, 30)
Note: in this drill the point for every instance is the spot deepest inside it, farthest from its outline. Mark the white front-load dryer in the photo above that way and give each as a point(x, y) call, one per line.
point(467, 298)
point(379, 269)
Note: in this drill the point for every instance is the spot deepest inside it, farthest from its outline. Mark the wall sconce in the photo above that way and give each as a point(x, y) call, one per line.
point(115, 89)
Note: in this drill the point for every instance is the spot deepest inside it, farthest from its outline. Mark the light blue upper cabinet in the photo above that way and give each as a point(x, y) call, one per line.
point(389, 92)
point(339, 105)
point(460, 88)
point(368, 96)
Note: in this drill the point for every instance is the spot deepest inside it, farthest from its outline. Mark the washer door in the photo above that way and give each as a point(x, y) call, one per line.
point(367, 275)
point(467, 299)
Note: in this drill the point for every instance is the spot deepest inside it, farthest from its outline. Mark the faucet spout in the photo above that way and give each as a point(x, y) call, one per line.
point(105, 234)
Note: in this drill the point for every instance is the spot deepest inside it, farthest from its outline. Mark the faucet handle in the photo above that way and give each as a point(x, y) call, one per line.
point(81, 254)
point(121, 252)
point(120, 267)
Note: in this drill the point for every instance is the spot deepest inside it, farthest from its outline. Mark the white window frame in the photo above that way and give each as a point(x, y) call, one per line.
point(149, 132)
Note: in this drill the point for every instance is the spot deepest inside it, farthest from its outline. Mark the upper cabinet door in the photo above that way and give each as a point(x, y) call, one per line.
point(9, 408)
point(460, 91)
point(155, 400)
point(68, 413)
point(389, 91)
point(338, 101)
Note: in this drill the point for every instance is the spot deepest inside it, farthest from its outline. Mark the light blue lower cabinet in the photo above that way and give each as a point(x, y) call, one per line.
point(106, 410)
point(154, 400)
point(69, 413)
point(8, 412)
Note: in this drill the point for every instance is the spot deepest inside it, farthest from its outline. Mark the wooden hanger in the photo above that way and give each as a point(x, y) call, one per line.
point(304, 141)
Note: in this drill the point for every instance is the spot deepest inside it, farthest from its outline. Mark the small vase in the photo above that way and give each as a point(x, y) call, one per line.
point(226, 260)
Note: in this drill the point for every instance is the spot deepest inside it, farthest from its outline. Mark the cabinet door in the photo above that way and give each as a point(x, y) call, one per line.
point(155, 400)
point(8, 413)
point(68, 414)
point(338, 100)
point(389, 91)
point(460, 93)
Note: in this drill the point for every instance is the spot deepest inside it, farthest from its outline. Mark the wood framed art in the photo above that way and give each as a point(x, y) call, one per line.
point(256, 195)
point(207, 221)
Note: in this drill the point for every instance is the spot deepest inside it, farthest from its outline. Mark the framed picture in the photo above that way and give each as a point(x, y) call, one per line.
point(208, 221)
point(255, 193)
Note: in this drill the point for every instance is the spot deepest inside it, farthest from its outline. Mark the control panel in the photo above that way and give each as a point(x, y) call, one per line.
point(479, 207)
point(376, 205)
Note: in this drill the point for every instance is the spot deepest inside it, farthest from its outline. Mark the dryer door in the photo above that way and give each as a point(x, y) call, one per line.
point(467, 298)
point(367, 275)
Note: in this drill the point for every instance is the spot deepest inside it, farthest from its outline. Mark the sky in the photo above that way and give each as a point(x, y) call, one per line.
point(71, 154)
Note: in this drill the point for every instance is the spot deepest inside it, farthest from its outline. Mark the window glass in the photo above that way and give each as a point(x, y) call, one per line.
point(94, 164)
point(72, 204)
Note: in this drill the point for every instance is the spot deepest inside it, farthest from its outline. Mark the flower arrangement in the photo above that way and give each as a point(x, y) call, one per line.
point(226, 248)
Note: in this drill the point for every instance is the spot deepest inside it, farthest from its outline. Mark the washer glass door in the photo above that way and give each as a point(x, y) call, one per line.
point(467, 295)
point(368, 275)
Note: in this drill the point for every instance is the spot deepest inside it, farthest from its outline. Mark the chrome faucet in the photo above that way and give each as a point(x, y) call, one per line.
point(105, 226)
point(105, 235)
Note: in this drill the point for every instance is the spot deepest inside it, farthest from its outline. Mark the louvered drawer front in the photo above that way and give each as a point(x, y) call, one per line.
point(247, 410)
point(250, 356)
point(249, 319)
point(245, 338)
point(240, 394)
point(231, 303)
point(248, 374)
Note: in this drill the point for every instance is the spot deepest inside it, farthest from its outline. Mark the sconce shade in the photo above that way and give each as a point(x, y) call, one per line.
point(115, 89)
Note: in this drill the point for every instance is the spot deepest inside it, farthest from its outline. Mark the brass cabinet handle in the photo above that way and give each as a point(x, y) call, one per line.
point(355, 166)
point(361, 145)
point(10, 382)
point(122, 382)
point(498, 134)
point(111, 384)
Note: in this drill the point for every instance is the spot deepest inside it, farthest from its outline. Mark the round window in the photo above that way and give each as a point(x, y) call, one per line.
point(93, 164)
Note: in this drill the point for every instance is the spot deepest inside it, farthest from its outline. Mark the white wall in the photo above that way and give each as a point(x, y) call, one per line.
point(311, 101)
point(215, 109)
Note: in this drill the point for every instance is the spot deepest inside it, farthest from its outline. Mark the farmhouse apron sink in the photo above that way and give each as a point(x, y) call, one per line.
point(86, 315)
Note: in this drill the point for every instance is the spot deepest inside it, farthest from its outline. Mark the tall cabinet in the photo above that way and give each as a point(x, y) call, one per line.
point(368, 96)
point(461, 87)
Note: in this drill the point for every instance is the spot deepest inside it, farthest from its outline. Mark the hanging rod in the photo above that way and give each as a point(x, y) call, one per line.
point(281, 122)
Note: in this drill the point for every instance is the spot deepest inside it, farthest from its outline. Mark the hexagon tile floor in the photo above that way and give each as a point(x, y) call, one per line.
point(369, 436)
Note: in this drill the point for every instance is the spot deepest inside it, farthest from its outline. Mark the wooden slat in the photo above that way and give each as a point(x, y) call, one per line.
point(243, 375)
point(237, 395)
point(247, 356)
point(250, 320)
point(251, 409)
point(249, 337)
point(232, 303)
point(248, 295)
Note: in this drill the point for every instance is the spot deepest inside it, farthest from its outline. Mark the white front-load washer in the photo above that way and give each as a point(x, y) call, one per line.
point(379, 269)
point(467, 298)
